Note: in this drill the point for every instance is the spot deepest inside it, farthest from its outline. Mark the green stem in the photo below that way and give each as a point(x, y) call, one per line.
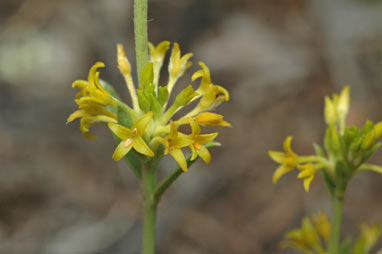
point(169, 181)
point(140, 31)
point(148, 186)
point(338, 209)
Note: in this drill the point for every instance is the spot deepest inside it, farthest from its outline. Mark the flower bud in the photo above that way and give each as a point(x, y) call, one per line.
point(330, 112)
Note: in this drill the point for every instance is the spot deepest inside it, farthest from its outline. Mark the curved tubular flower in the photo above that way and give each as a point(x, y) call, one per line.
point(211, 119)
point(149, 104)
point(307, 173)
point(132, 138)
point(92, 100)
point(199, 140)
point(205, 76)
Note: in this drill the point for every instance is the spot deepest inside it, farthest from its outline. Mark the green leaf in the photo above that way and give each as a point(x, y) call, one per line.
point(143, 101)
point(124, 117)
point(147, 75)
point(156, 107)
point(110, 89)
point(132, 158)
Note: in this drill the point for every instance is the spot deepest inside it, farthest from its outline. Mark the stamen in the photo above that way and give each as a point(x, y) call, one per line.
point(171, 148)
point(135, 131)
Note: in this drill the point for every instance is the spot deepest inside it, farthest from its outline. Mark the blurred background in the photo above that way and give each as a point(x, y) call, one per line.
point(61, 193)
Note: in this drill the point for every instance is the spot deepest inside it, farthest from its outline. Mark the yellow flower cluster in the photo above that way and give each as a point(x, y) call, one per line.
point(313, 237)
point(92, 100)
point(151, 118)
point(346, 148)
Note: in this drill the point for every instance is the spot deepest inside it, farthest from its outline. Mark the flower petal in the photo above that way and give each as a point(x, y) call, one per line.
point(287, 145)
point(87, 122)
point(204, 154)
point(278, 157)
point(280, 171)
point(121, 150)
point(194, 152)
point(206, 138)
point(141, 147)
point(179, 157)
point(211, 119)
point(142, 123)
point(194, 127)
point(81, 84)
point(307, 182)
point(122, 132)
point(92, 72)
point(182, 140)
point(76, 114)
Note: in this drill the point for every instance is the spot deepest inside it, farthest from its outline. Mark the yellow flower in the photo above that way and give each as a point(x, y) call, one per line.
point(311, 237)
point(211, 119)
point(92, 90)
point(92, 99)
point(287, 159)
point(213, 97)
point(330, 112)
point(337, 108)
point(132, 138)
point(322, 225)
point(204, 73)
point(368, 238)
point(307, 173)
point(173, 144)
point(343, 105)
point(199, 140)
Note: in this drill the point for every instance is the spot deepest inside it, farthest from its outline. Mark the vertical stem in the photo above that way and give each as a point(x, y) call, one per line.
point(140, 31)
point(148, 186)
point(338, 209)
